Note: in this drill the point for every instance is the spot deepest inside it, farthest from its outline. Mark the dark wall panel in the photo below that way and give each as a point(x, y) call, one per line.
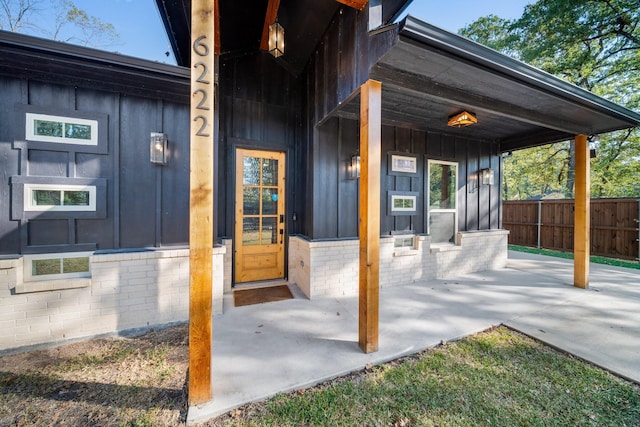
point(387, 182)
point(137, 174)
point(484, 200)
point(348, 54)
point(348, 189)
point(473, 167)
point(175, 176)
point(95, 231)
point(325, 178)
point(419, 147)
point(496, 194)
point(51, 95)
point(462, 157)
point(12, 92)
point(48, 163)
point(48, 232)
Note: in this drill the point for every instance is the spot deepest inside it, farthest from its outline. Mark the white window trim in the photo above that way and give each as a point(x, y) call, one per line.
point(406, 250)
point(31, 136)
point(30, 206)
point(396, 158)
point(439, 210)
point(395, 197)
point(28, 266)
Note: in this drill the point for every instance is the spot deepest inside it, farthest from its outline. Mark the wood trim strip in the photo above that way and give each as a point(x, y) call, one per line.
point(270, 18)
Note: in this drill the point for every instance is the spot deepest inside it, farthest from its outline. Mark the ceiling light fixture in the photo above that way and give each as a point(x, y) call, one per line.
point(462, 119)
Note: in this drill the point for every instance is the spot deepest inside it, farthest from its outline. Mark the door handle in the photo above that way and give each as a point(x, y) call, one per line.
point(281, 219)
point(281, 235)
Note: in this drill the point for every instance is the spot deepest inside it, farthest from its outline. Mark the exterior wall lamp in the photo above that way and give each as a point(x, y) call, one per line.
point(593, 143)
point(462, 119)
point(276, 39)
point(486, 176)
point(158, 148)
point(354, 167)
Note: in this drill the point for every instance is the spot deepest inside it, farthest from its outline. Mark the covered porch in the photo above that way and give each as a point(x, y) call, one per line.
point(262, 350)
point(408, 77)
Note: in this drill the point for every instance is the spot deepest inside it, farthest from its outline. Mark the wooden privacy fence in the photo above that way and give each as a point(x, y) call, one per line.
point(549, 224)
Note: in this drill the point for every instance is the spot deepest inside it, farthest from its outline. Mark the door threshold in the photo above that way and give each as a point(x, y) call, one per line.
point(259, 284)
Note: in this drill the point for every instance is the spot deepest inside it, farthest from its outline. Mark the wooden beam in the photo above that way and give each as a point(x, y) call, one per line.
point(582, 220)
point(201, 199)
point(270, 18)
point(370, 155)
point(356, 4)
point(216, 29)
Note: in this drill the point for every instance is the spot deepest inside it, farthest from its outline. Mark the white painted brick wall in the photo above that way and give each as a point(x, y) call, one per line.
point(330, 268)
point(476, 251)
point(125, 291)
point(228, 264)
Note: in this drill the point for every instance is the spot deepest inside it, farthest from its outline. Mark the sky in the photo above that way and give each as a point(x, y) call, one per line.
point(142, 35)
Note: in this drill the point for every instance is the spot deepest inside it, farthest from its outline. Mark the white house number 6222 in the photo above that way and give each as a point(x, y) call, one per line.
point(201, 49)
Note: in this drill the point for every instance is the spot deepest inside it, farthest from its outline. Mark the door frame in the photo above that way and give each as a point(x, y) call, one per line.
point(238, 151)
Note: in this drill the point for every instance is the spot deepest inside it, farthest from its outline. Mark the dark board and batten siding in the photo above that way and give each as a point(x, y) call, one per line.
point(260, 108)
point(145, 205)
point(335, 213)
point(339, 66)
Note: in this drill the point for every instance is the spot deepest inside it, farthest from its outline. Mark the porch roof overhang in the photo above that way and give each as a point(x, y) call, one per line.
point(429, 74)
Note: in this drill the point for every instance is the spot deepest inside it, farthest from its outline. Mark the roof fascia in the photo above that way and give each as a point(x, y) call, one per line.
point(501, 64)
point(59, 49)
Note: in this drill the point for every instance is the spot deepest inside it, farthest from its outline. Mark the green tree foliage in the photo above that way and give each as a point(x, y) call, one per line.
point(594, 44)
point(58, 20)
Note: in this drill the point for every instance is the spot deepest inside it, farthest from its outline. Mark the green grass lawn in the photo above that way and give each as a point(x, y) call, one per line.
point(495, 378)
point(568, 255)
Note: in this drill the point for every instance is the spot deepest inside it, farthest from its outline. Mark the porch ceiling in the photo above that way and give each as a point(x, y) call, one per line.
point(304, 21)
point(430, 74)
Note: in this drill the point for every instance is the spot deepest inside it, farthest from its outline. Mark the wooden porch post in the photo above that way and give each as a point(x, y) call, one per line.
point(201, 199)
point(581, 232)
point(370, 154)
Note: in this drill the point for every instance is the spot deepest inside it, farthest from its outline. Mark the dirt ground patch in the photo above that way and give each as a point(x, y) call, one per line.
point(120, 381)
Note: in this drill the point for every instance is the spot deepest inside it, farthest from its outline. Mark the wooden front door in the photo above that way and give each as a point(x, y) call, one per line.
point(259, 229)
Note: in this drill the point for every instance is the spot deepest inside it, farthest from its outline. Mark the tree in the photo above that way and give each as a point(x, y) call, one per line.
point(16, 14)
point(594, 44)
point(70, 24)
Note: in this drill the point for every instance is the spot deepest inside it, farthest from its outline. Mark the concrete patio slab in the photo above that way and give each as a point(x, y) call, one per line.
point(262, 350)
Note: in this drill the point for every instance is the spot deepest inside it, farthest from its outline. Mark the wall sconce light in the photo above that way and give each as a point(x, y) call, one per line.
point(462, 119)
point(276, 39)
point(486, 176)
point(354, 167)
point(158, 148)
point(593, 142)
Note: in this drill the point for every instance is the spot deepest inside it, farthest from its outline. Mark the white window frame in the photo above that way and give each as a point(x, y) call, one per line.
point(28, 266)
point(440, 210)
point(405, 239)
point(30, 206)
point(30, 134)
point(395, 197)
